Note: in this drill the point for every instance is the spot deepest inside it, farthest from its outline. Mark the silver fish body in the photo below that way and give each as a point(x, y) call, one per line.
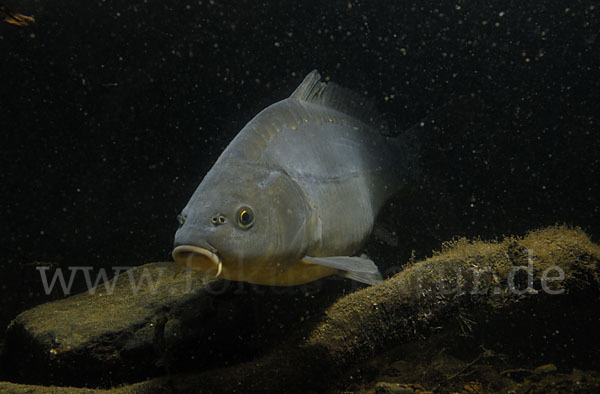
point(296, 193)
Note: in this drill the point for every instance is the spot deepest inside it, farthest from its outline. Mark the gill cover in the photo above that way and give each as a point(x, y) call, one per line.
point(294, 216)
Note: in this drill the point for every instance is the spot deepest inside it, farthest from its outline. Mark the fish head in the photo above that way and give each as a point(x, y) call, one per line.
point(241, 218)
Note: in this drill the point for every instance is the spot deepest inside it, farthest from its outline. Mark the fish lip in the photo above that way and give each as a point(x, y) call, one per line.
point(179, 252)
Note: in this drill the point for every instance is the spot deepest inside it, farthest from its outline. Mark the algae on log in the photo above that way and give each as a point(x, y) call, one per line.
point(147, 323)
point(550, 277)
point(489, 281)
point(107, 334)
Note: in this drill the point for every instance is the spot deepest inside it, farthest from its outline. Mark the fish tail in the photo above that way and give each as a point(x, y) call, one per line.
point(408, 146)
point(428, 143)
point(437, 137)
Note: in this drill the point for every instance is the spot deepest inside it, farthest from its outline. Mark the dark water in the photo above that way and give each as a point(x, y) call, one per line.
point(112, 111)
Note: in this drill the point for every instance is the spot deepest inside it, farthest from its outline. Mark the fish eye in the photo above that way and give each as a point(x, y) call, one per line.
point(181, 220)
point(245, 217)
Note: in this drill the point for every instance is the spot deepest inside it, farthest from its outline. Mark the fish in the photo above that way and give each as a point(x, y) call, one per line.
point(295, 194)
point(14, 18)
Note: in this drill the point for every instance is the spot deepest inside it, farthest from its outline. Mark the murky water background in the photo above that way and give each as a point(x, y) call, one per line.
point(112, 111)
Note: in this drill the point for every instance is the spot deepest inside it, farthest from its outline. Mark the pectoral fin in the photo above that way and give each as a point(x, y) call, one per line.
point(357, 268)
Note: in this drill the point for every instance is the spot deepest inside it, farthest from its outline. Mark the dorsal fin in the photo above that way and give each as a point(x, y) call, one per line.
point(336, 97)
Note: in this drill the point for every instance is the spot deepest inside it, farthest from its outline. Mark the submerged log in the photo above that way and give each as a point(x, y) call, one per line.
point(108, 334)
point(146, 322)
point(520, 292)
point(551, 274)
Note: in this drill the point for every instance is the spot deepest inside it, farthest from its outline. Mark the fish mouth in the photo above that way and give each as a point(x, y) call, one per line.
point(198, 259)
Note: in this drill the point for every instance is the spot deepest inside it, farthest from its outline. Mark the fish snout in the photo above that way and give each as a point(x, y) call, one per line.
point(198, 259)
